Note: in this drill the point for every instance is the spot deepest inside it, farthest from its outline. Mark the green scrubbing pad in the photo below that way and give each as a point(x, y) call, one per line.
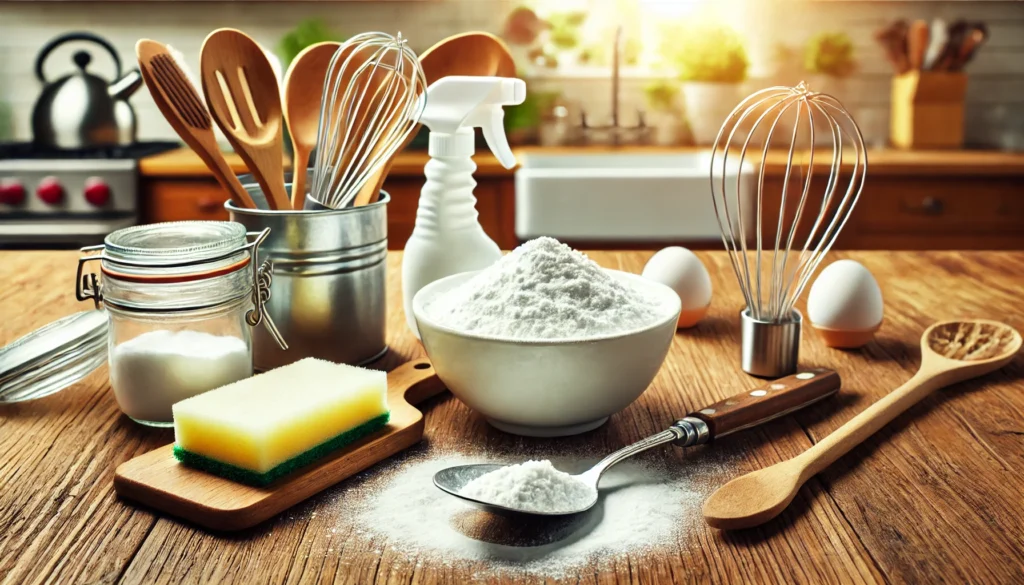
point(250, 477)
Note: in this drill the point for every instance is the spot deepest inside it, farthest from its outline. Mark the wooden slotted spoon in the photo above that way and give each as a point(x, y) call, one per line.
point(951, 352)
point(242, 92)
point(303, 87)
point(185, 111)
point(473, 53)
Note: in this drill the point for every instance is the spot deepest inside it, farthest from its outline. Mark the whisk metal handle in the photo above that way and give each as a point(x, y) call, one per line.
point(769, 349)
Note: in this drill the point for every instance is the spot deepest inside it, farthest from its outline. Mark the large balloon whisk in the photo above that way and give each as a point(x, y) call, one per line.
point(777, 239)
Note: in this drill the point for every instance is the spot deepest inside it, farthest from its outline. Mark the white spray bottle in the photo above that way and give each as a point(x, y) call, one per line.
point(448, 238)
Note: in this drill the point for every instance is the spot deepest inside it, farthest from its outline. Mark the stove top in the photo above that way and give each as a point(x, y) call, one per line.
point(32, 151)
point(58, 197)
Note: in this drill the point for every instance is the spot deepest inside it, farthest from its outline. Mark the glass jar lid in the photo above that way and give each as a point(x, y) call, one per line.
point(53, 357)
point(180, 267)
point(175, 249)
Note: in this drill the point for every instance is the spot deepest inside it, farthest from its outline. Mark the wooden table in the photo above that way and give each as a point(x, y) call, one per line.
point(934, 497)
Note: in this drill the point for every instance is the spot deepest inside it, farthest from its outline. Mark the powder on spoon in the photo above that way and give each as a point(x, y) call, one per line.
point(545, 290)
point(535, 486)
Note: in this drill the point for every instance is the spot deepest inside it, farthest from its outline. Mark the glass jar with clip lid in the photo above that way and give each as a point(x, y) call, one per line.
point(181, 298)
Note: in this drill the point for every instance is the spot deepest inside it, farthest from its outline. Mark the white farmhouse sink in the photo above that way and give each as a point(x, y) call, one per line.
point(632, 197)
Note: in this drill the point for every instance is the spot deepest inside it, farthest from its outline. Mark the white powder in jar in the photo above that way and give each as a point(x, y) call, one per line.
point(545, 290)
point(535, 486)
point(154, 370)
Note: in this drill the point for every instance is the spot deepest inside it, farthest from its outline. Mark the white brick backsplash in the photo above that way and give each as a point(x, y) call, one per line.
point(995, 113)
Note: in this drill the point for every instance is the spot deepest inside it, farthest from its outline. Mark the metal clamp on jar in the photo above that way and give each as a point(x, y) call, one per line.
point(181, 298)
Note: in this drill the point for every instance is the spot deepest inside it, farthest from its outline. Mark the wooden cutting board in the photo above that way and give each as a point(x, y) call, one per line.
point(159, 481)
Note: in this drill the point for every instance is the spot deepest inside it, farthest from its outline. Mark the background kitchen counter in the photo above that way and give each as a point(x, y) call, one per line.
point(913, 199)
point(932, 497)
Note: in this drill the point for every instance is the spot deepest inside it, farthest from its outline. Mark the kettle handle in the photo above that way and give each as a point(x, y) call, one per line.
point(75, 36)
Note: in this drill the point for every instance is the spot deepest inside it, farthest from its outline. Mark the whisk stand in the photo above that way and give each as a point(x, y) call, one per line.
point(769, 349)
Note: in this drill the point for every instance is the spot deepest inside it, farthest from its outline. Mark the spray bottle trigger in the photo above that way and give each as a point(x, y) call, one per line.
point(491, 121)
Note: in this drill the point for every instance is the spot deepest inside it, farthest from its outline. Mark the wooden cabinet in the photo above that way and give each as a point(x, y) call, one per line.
point(941, 200)
point(941, 212)
point(921, 213)
point(183, 198)
point(176, 198)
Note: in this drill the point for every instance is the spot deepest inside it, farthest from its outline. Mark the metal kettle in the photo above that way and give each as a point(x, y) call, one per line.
point(82, 110)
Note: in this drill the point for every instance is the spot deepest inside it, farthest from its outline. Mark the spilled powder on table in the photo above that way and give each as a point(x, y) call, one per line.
point(644, 508)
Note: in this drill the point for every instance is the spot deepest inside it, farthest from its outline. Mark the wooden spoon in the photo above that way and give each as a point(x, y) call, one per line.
point(917, 44)
point(473, 53)
point(303, 87)
point(951, 352)
point(973, 39)
point(243, 95)
point(180, 103)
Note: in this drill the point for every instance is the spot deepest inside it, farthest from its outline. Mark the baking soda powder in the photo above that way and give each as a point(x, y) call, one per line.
point(154, 370)
point(644, 508)
point(535, 486)
point(545, 290)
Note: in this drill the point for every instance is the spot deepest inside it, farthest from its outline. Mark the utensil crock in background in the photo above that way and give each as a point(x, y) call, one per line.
point(546, 388)
point(328, 291)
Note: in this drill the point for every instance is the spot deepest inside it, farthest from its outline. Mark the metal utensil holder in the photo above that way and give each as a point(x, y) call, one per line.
point(328, 292)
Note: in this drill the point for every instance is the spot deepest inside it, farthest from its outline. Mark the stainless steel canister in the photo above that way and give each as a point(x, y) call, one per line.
point(328, 289)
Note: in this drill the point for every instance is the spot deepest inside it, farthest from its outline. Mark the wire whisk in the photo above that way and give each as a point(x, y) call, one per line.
point(371, 101)
point(777, 235)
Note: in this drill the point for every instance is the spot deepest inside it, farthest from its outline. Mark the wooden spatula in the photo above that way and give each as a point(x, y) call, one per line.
point(917, 44)
point(472, 53)
point(185, 111)
point(159, 481)
point(243, 95)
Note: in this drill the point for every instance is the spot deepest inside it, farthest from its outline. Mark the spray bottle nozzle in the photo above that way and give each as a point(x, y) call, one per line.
point(458, 102)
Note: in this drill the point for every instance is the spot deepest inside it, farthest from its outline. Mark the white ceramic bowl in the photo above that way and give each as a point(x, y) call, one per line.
point(545, 388)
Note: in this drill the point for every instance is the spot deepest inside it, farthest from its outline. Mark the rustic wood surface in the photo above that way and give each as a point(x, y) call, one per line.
point(933, 497)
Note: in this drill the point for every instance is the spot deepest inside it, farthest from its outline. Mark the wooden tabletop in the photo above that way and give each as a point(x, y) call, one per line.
point(933, 497)
point(184, 162)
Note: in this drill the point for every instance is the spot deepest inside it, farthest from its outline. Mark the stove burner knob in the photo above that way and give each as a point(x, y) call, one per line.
point(12, 192)
point(50, 191)
point(97, 191)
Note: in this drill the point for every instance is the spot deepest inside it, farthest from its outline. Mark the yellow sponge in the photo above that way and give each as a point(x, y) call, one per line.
point(261, 428)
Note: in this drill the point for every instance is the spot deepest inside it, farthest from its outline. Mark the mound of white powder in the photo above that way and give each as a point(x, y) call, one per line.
point(646, 509)
point(545, 290)
point(535, 486)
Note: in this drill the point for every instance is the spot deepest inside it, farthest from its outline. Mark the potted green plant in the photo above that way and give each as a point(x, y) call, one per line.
point(829, 61)
point(664, 114)
point(712, 62)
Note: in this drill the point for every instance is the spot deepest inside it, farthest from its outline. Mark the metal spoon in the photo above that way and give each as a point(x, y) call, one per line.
point(766, 402)
point(952, 351)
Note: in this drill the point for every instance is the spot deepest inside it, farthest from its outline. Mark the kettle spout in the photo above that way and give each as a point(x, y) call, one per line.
point(123, 88)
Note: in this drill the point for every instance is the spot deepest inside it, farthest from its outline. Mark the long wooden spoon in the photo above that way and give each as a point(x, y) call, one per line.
point(184, 110)
point(303, 87)
point(951, 352)
point(472, 53)
point(242, 92)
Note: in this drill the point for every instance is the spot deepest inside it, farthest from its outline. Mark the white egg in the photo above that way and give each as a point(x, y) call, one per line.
point(845, 298)
point(682, 271)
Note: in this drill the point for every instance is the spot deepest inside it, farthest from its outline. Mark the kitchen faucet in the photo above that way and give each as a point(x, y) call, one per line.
point(615, 130)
